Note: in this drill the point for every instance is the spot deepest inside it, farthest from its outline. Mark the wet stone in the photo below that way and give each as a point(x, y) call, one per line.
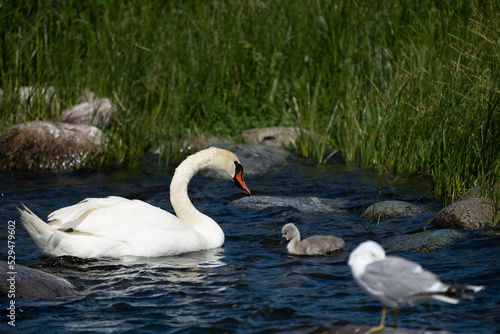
point(303, 204)
point(427, 241)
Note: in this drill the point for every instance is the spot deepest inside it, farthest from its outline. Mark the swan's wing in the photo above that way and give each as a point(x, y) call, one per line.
point(71, 216)
point(115, 218)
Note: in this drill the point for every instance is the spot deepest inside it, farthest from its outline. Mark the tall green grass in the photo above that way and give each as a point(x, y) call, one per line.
point(399, 85)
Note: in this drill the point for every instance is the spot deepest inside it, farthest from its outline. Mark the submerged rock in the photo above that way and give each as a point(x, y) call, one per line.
point(303, 204)
point(32, 283)
point(391, 209)
point(357, 329)
point(48, 146)
point(423, 241)
point(94, 112)
point(473, 213)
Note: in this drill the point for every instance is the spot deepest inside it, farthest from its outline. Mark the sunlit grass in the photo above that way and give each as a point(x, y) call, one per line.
point(400, 85)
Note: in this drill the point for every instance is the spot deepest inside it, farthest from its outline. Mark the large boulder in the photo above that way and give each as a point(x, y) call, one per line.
point(48, 146)
point(24, 282)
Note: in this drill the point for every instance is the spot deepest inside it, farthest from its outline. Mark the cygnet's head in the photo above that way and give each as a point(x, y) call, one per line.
point(289, 231)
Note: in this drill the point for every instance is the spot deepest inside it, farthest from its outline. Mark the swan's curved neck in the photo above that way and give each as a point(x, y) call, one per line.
point(181, 203)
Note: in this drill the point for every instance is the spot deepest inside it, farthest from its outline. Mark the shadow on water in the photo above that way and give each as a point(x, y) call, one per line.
point(251, 284)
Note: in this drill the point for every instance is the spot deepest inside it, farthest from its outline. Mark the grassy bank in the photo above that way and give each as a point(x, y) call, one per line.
point(401, 85)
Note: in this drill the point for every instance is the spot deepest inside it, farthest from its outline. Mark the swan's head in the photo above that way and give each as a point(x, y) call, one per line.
point(228, 165)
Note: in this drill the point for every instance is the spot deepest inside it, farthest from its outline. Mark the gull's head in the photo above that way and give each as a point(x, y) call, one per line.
point(366, 253)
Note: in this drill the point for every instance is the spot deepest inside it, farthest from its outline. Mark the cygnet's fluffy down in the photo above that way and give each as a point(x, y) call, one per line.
point(315, 245)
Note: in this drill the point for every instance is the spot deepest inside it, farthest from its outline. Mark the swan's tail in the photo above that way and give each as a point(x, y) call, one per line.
point(40, 231)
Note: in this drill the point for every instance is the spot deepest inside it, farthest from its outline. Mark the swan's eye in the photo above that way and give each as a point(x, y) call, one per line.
point(237, 168)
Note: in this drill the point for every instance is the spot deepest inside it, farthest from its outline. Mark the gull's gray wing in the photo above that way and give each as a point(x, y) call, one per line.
point(396, 280)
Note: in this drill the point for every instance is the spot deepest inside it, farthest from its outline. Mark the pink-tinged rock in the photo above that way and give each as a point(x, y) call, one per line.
point(94, 112)
point(48, 146)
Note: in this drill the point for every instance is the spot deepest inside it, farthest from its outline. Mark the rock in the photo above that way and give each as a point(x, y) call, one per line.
point(303, 204)
point(473, 213)
point(94, 112)
point(423, 241)
point(48, 146)
point(390, 209)
point(359, 329)
point(475, 192)
point(259, 159)
point(32, 283)
point(272, 136)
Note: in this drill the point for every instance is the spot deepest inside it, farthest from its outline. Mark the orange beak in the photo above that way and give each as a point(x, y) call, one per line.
point(240, 182)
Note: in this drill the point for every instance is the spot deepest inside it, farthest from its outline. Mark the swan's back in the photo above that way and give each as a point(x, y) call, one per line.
point(113, 217)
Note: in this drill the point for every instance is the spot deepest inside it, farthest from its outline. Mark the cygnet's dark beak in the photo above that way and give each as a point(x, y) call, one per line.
point(283, 241)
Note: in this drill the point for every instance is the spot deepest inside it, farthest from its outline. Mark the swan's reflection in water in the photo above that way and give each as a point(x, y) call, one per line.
point(203, 259)
point(161, 271)
point(119, 277)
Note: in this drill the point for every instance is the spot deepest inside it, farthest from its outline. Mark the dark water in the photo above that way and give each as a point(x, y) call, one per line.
point(251, 285)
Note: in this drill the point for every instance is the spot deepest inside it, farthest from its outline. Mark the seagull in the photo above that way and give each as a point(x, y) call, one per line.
point(394, 280)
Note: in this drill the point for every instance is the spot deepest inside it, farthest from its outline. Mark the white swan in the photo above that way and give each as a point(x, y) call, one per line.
point(116, 226)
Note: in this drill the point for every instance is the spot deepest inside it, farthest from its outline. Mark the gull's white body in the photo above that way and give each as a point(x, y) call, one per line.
point(116, 226)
